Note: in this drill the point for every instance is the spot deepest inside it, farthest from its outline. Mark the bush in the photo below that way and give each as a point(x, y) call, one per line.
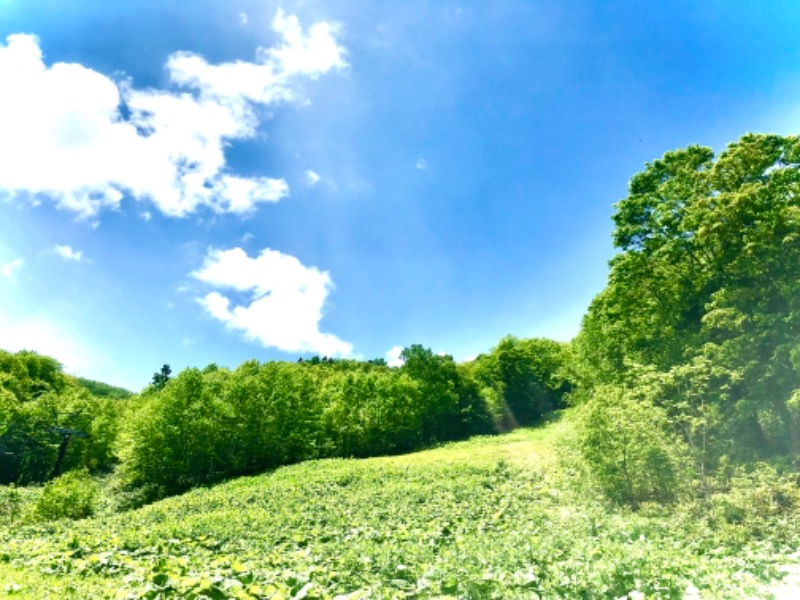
point(71, 496)
point(757, 493)
point(629, 449)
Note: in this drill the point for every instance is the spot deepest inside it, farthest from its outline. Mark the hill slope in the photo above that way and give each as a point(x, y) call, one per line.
point(103, 390)
point(492, 517)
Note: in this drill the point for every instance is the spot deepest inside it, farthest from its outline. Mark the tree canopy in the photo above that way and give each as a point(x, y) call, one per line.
point(705, 289)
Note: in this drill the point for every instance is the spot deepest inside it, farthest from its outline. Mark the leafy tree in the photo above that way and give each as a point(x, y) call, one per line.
point(161, 378)
point(38, 404)
point(451, 408)
point(708, 275)
point(524, 379)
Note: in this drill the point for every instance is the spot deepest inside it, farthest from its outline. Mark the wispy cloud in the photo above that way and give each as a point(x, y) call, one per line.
point(169, 149)
point(10, 269)
point(285, 304)
point(312, 178)
point(421, 164)
point(69, 253)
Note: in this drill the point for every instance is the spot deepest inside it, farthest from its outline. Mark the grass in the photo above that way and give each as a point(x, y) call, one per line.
point(495, 517)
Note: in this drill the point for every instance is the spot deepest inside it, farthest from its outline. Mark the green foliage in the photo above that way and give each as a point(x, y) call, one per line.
point(627, 443)
point(36, 400)
point(161, 377)
point(451, 405)
point(706, 291)
point(523, 380)
point(206, 426)
point(377, 412)
point(10, 503)
point(754, 497)
point(27, 375)
point(103, 390)
point(70, 496)
point(494, 517)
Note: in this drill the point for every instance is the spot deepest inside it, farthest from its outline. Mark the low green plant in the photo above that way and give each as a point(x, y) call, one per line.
point(71, 496)
point(496, 517)
point(10, 503)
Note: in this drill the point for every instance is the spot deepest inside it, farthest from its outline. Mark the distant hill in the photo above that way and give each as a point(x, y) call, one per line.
point(103, 390)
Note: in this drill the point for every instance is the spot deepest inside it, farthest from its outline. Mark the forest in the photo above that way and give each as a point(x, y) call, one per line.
point(678, 400)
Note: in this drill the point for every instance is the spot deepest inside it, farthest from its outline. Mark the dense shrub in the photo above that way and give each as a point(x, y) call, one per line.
point(71, 496)
point(630, 449)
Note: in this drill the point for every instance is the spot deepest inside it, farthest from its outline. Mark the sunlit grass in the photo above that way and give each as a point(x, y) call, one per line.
point(493, 517)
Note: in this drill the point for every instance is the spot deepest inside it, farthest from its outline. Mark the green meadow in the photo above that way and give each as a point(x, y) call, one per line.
point(510, 516)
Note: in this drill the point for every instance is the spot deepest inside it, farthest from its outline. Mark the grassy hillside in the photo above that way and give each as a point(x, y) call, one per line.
point(494, 517)
point(103, 390)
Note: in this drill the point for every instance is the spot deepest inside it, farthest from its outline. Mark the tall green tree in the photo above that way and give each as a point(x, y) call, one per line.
point(708, 276)
point(452, 407)
point(524, 379)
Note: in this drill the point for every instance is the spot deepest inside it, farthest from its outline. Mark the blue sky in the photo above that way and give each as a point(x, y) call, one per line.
point(221, 180)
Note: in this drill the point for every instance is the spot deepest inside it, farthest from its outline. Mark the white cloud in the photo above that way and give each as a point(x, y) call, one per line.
point(242, 19)
point(421, 164)
point(68, 253)
point(285, 304)
point(309, 54)
point(393, 358)
point(10, 269)
point(312, 178)
point(65, 138)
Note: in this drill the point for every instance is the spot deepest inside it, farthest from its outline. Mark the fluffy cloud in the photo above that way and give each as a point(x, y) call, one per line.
point(285, 300)
point(10, 269)
point(66, 138)
point(393, 358)
point(68, 253)
point(309, 54)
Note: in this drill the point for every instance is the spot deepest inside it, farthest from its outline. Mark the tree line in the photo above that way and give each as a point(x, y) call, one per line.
point(206, 425)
